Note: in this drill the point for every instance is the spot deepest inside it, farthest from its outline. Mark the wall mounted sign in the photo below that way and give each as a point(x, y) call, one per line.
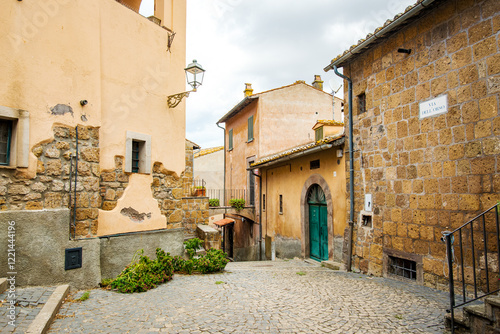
point(436, 106)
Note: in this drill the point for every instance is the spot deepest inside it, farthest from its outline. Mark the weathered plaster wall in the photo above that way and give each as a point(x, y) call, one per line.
point(286, 117)
point(40, 260)
point(433, 174)
point(236, 165)
point(117, 252)
point(289, 180)
point(210, 168)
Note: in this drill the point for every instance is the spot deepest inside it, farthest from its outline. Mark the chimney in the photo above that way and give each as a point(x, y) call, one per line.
point(317, 83)
point(248, 89)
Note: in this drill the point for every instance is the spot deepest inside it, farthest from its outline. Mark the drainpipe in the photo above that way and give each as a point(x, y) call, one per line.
point(260, 215)
point(351, 171)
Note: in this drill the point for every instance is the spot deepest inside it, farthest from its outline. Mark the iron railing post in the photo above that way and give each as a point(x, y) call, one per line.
point(450, 274)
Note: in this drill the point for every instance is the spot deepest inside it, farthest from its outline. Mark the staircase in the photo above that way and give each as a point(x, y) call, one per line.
point(481, 318)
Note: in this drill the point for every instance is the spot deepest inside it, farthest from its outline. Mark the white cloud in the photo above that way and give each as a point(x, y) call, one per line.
point(269, 44)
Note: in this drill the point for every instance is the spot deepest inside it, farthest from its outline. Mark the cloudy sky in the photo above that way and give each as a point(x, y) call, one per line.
point(270, 44)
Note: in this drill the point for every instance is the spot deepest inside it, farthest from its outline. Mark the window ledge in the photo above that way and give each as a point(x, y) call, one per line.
point(7, 167)
point(249, 141)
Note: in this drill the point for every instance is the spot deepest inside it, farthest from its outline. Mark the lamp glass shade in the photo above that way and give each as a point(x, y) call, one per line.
point(194, 74)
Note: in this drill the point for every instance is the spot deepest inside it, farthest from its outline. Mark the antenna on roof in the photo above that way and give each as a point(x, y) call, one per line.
point(333, 99)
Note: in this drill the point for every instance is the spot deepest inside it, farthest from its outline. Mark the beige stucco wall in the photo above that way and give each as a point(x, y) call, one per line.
point(60, 52)
point(210, 168)
point(286, 116)
point(288, 179)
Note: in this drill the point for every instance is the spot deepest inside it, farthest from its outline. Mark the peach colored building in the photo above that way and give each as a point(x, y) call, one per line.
point(86, 129)
point(303, 197)
point(262, 124)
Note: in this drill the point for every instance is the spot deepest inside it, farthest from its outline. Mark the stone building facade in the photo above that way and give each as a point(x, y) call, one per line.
point(426, 175)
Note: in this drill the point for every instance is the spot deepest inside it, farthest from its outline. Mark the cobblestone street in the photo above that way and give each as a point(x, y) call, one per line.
point(262, 297)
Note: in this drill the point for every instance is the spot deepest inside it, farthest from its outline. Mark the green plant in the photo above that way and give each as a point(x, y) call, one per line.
point(84, 296)
point(143, 273)
point(219, 282)
point(301, 273)
point(213, 202)
point(192, 245)
point(200, 187)
point(237, 203)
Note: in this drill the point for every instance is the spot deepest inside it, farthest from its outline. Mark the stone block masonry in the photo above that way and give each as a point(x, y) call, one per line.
point(50, 188)
point(95, 189)
point(433, 174)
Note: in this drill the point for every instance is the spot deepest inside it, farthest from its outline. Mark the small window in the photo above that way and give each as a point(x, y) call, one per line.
point(403, 268)
point(319, 133)
point(281, 204)
point(138, 153)
point(5, 139)
point(314, 164)
point(264, 202)
point(361, 103)
point(135, 156)
point(230, 139)
point(250, 128)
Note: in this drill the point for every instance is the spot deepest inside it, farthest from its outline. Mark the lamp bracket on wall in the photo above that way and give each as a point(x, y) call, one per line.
point(174, 100)
point(171, 36)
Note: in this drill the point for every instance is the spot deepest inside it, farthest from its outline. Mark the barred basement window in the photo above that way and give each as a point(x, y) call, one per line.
point(403, 268)
point(314, 164)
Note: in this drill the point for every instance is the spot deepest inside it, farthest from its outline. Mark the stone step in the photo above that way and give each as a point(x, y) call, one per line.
point(333, 265)
point(462, 324)
point(493, 309)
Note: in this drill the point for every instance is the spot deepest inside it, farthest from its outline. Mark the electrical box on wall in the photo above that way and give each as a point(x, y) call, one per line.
point(368, 202)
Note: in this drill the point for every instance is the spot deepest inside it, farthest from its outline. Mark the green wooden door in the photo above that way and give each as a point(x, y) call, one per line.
point(318, 224)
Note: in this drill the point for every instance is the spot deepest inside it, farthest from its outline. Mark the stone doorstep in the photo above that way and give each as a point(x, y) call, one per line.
point(333, 265)
point(3, 284)
point(44, 319)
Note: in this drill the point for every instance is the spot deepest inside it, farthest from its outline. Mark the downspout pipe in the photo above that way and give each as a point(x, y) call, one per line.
point(260, 214)
point(351, 170)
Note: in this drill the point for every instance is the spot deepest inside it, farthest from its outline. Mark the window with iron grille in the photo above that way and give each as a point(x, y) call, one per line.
point(264, 202)
point(314, 164)
point(281, 204)
point(5, 137)
point(403, 268)
point(135, 156)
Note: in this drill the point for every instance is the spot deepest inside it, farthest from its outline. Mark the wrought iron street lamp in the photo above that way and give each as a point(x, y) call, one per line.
point(194, 77)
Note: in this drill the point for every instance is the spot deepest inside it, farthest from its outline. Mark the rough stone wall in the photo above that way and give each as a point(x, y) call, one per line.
point(50, 188)
point(433, 174)
point(95, 189)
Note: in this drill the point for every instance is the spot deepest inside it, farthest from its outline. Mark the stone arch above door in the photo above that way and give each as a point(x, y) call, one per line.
point(304, 213)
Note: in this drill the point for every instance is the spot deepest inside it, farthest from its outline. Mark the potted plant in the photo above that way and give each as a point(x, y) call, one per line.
point(200, 191)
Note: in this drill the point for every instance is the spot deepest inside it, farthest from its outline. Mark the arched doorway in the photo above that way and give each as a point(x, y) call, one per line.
point(318, 223)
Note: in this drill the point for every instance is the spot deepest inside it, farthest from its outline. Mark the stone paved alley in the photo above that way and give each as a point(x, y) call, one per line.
point(262, 297)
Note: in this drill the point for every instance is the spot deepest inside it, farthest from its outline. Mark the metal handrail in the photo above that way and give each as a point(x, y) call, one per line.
point(449, 239)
